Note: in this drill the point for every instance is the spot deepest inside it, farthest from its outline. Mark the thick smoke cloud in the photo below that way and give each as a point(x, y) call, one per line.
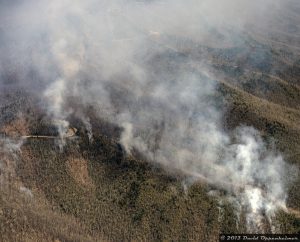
point(127, 59)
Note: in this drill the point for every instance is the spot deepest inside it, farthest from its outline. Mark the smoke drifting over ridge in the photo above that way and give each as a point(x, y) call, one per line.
point(127, 59)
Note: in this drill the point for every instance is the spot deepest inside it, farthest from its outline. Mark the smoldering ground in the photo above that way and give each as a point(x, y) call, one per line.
point(136, 63)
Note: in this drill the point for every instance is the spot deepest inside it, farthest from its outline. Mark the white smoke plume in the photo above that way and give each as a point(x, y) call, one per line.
point(9, 150)
point(54, 95)
point(128, 60)
point(88, 127)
